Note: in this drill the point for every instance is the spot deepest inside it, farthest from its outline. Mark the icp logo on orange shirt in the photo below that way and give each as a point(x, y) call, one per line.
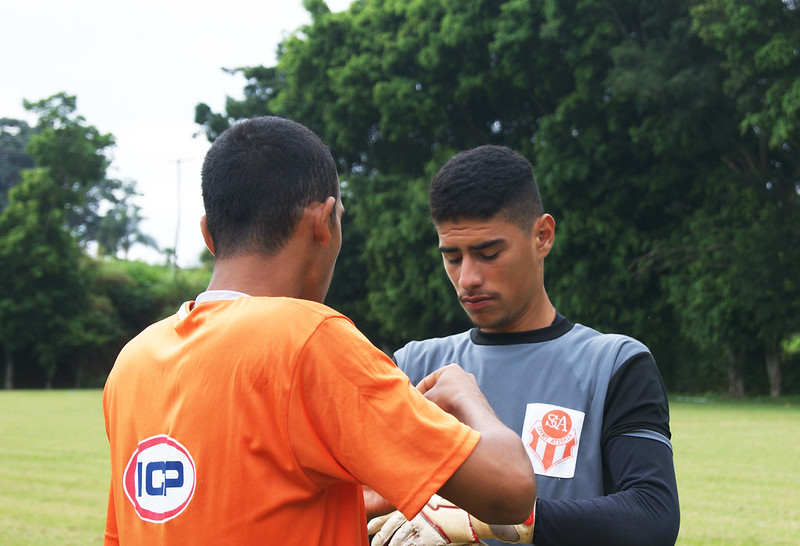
point(159, 479)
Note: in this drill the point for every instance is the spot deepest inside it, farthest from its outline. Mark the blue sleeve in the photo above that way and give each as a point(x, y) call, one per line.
point(644, 510)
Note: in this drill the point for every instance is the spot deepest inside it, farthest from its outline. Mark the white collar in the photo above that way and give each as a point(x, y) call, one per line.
point(209, 295)
point(219, 295)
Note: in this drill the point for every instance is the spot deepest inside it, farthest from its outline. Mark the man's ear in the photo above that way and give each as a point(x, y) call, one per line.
point(544, 232)
point(322, 212)
point(206, 234)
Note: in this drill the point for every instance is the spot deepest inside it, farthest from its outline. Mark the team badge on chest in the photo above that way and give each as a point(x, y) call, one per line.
point(551, 435)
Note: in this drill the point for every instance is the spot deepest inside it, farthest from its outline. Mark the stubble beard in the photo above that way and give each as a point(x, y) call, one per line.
point(488, 323)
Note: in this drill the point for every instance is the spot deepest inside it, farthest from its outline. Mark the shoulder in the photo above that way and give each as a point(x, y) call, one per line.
point(152, 333)
point(621, 346)
point(266, 314)
point(432, 345)
point(290, 306)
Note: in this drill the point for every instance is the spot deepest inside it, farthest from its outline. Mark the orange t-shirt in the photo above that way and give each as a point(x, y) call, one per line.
point(255, 420)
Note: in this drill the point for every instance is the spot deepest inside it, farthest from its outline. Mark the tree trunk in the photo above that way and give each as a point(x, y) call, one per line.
point(735, 379)
point(8, 382)
point(773, 360)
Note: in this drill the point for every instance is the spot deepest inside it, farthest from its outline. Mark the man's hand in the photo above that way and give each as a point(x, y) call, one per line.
point(496, 483)
point(453, 390)
point(441, 523)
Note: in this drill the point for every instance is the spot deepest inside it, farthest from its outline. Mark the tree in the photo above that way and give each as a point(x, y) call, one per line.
point(98, 209)
point(14, 137)
point(54, 211)
point(125, 297)
point(760, 42)
point(635, 122)
point(41, 290)
point(409, 295)
point(118, 229)
point(643, 123)
point(760, 45)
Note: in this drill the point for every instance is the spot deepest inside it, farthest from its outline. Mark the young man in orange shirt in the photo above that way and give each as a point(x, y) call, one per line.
point(255, 413)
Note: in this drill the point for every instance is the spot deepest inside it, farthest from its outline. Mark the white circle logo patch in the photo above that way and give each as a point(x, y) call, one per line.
point(159, 479)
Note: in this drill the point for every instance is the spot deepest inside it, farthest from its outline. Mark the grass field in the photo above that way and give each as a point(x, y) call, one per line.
point(738, 469)
point(54, 468)
point(738, 466)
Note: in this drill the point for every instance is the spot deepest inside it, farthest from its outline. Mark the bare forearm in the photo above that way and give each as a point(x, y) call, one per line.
point(496, 483)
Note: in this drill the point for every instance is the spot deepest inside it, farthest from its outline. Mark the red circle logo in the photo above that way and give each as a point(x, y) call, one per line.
point(557, 423)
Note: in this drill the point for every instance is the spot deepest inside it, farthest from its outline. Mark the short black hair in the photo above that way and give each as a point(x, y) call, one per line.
point(257, 178)
point(485, 181)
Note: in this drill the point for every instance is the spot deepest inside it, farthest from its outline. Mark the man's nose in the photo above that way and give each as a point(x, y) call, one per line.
point(470, 275)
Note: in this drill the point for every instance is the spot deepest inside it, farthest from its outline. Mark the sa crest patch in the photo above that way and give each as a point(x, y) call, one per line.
point(551, 435)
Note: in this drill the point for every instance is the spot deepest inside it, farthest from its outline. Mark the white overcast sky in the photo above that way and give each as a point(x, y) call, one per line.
point(138, 69)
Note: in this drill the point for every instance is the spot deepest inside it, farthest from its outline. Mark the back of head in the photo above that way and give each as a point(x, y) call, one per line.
point(485, 181)
point(257, 178)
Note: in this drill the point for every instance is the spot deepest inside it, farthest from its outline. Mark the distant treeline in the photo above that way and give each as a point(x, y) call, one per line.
point(665, 138)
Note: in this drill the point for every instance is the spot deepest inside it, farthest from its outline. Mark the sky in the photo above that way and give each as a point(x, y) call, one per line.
point(138, 69)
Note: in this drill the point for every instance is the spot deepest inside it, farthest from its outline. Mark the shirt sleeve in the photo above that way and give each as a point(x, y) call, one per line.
point(644, 510)
point(356, 417)
point(636, 400)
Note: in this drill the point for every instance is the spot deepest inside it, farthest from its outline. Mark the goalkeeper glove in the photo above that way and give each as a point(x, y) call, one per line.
point(441, 523)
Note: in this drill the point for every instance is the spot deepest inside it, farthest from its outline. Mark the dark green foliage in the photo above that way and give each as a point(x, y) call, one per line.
point(129, 296)
point(408, 293)
point(52, 317)
point(14, 137)
point(41, 289)
point(98, 209)
point(123, 297)
point(664, 137)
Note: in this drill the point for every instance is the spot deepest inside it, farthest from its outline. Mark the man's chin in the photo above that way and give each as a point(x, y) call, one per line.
point(484, 322)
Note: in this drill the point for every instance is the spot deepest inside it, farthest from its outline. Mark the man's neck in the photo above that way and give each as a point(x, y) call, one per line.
point(257, 276)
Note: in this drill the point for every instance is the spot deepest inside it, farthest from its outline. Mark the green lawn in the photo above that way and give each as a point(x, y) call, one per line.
point(738, 466)
point(54, 468)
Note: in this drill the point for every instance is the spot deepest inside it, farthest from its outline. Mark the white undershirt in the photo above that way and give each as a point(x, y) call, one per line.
point(219, 295)
point(209, 295)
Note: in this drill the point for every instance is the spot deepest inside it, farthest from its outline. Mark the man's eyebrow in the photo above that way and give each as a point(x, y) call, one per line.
point(481, 246)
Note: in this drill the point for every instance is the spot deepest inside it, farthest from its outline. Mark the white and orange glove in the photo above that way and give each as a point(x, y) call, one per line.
point(442, 523)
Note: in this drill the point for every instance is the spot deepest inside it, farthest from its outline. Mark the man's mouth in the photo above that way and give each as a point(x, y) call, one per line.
point(475, 303)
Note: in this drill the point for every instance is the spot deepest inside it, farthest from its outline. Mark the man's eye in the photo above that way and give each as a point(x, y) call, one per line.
point(489, 257)
point(453, 260)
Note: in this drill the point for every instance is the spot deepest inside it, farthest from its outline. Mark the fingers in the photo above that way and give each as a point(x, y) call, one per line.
point(375, 524)
point(455, 391)
point(430, 380)
point(407, 535)
point(385, 527)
